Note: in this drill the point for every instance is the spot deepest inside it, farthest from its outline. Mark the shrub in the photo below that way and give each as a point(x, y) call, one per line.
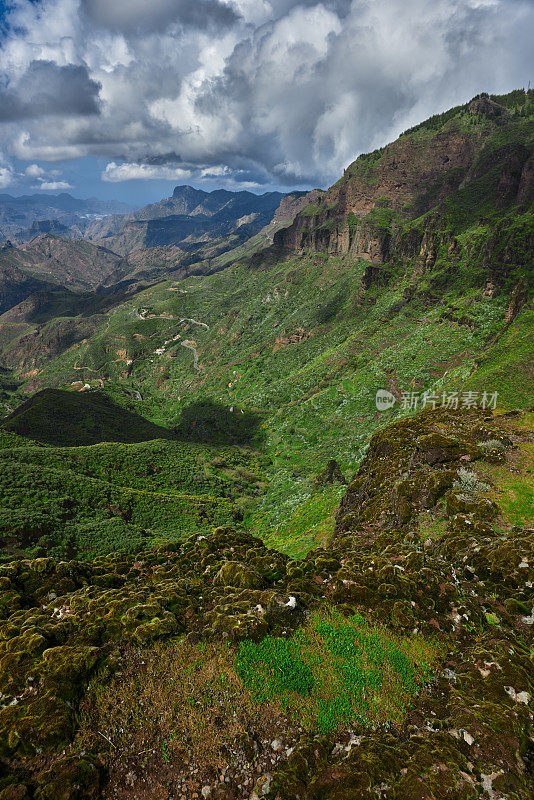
point(468, 482)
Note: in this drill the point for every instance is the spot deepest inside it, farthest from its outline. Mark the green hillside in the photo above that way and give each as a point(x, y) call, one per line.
point(80, 502)
point(294, 343)
point(57, 417)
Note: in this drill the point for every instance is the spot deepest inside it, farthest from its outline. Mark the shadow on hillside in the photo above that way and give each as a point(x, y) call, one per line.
point(214, 423)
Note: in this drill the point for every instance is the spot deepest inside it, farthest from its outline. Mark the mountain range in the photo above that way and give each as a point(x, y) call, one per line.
point(266, 507)
point(187, 219)
point(187, 228)
point(27, 215)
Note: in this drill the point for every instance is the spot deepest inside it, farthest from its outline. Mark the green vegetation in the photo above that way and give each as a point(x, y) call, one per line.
point(306, 401)
point(217, 661)
point(436, 121)
point(223, 566)
point(87, 501)
point(336, 671)
point(60, 418)
point(513, 491)
point(292, 348)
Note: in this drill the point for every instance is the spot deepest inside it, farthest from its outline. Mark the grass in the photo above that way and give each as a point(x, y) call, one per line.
point(515, 492)
point(337, 671)
point(181, 707)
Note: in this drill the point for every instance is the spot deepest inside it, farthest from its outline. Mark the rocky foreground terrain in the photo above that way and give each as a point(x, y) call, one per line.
point(427, 547)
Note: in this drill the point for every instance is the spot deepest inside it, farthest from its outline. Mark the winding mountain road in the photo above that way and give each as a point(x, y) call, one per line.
point(142, 314)
point(195, 354)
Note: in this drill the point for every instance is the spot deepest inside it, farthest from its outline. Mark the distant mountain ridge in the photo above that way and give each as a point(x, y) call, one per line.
point(186, 219)
point(49, 262)
point(143, 245)
point(19, 214)
point(64, 202)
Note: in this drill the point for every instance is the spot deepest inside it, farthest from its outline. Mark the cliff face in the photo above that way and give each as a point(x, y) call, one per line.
point(482, 151)
point(292, 204)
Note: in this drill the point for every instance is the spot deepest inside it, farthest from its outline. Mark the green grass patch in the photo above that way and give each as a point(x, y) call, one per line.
point(514, 492)
point(337, 670)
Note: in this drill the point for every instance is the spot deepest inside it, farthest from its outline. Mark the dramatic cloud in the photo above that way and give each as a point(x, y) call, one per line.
point(256, 92)
point(130, 171)
point(155, 15)
point(46, 88)
point(7, 175)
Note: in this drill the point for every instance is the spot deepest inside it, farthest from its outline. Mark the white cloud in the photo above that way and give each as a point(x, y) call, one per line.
point(128, 171)
point(34, 171)
point(34, 176)
point(54, 186)
point(284, 91)
point(114, 173)
point(6, 177)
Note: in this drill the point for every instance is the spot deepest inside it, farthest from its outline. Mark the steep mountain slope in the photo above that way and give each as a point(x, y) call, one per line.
point(38, 319)
point(465, 166)
point(307, 337)
point(75, 265)
point(16, 285)
point(349, 401)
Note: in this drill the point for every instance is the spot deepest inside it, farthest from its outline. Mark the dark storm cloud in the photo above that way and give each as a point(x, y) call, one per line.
point(46, 88)
point(284, 92)
point(155, 15)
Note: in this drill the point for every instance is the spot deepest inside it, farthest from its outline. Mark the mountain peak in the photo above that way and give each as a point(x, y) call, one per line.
point(185, 190)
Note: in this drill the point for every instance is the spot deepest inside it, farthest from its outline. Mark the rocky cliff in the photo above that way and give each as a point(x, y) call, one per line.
point(456, 168)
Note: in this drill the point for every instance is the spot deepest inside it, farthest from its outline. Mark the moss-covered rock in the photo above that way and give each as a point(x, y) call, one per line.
point(77, 777)
point(238, 575)
point(417, 548)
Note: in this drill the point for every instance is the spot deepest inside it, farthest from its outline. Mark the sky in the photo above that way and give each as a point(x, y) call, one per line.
point(124, 99)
